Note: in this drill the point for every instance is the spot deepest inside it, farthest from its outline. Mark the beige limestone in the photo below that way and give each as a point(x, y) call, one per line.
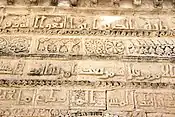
point(90, 58)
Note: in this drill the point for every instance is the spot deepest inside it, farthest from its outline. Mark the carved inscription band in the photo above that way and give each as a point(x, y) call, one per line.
point(70, 101)
point(87, 62)
point(59, 24)
point(83, 46)
point(88, 70)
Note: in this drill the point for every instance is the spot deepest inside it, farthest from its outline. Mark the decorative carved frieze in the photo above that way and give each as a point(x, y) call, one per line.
point(56, 60)
point(144, 4)
point(57, 98)
point(149, 101)
point(77, 70)
point(120, 100)
point(14, 45)
point(76, 102)
point(85, 47)
point(133, 26)
point(84, 83)
point(88, 99)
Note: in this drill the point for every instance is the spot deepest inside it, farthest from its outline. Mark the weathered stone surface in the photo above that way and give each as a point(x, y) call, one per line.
point(88, 70)
point(90, 58)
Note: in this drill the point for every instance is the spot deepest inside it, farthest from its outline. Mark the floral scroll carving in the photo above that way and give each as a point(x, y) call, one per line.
point(104, 48)
point(17, 45)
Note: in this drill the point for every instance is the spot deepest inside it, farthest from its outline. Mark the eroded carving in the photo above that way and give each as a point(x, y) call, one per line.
point(35, 2)
point(74, 2)
point(137, 2)
point(160, 115)
point(65, 82)
point(89, 23)
point(116, 2)
point(16, 45)
point(10, 2)
point(93, 2)
point(120, 99)
point(90, 70)
point(12, 67)
point(158, 3)
point(55, 46)
point(87, 99)
point(152, 47)
point(158, 100)
point(151, 4)
point(98, 47)
point(62, 70)
point(34, 97)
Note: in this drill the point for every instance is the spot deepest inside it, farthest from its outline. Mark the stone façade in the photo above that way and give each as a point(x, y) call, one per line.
point(104, 58)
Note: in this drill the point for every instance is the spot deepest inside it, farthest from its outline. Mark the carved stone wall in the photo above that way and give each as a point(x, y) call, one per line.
point(90, 58)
